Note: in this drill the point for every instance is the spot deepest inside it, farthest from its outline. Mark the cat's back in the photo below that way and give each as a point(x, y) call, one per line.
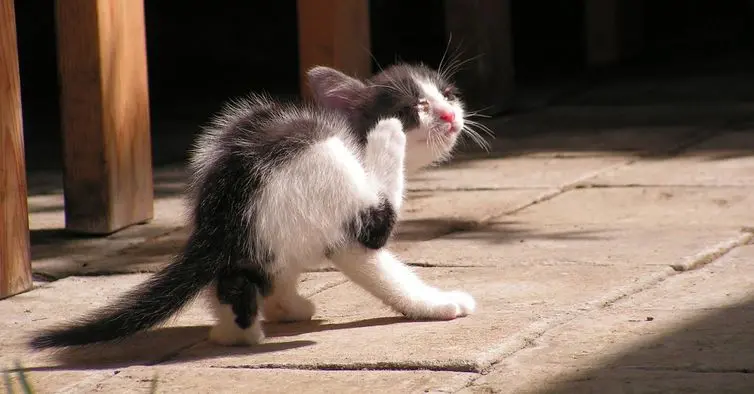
point(265, 131)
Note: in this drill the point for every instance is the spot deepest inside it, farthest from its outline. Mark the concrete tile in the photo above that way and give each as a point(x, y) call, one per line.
point(628, 381)
point(534, 243)
point(594, 349)
point(724, 160)
point(60, 381)
point(222, 380)
point(65, 299)
point(57, 254)
point(685, 334)
point(515, 172)
point(429, 214)
point(723, 207)
point(348, 318)
point(725, 281)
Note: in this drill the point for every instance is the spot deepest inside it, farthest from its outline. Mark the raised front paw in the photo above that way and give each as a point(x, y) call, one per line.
point(387, 139)
point(442, 305)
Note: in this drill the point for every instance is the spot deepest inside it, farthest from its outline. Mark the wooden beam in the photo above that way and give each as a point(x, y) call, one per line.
point(105, 114)
point(334, 33)
point(482, 28)
point(612, 30)
point(15, 262)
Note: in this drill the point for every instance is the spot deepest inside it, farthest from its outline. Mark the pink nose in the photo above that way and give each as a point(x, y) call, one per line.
point(447, 116)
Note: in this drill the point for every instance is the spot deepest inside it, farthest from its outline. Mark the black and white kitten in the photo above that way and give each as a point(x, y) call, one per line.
point(276, 188)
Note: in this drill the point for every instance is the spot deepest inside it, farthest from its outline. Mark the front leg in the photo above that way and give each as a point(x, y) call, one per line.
point(381, 274)
point(384, 158)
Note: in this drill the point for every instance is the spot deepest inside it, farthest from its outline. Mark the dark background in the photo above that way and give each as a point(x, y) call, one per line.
point(201, 53)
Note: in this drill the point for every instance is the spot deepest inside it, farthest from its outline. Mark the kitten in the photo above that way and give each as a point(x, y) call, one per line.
point(278, 187)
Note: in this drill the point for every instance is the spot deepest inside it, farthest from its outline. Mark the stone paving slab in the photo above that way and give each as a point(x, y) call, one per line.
point(431, 214)
point(57, 254)
point(727, 281)
point(44, 382)
point(629, 227)
point(689, 333)
point(426, 215)
point(724, 160)
point(719, 207)
point(510, 244)
point(512, 173)
point(348, 318)
point(41, 308)
point(242, 380)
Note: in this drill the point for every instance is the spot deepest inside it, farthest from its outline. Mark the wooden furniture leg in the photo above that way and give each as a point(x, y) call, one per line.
point(104, 114)
point(334, 33)
point(15, 262)
point(483, 28)
point(612, 30)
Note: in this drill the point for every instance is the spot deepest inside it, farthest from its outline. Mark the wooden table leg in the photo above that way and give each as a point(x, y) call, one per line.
point(613, 30)
point(105, 114)
point(334, 33)
point(482, 29)
point(15, 263)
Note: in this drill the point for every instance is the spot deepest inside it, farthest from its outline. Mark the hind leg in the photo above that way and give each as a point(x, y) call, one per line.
point(285, 304)
point(235, 301)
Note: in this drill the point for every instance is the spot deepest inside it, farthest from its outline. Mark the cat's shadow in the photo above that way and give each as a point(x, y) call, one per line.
point(189, 343)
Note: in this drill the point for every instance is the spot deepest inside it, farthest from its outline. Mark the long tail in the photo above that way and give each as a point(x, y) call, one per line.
point(150, 304)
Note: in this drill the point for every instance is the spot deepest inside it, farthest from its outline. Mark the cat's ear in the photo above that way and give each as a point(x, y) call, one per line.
point(333, 89)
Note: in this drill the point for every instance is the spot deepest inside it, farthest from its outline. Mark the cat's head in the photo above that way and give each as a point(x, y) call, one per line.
point(428, 105)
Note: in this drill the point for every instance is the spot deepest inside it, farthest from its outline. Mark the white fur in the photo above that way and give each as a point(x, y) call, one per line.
point(305, 205)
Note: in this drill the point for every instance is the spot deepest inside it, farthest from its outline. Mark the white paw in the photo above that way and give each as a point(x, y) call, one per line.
point(293, 309)
point(388, 136)
point(232, 335)
point(443, 305)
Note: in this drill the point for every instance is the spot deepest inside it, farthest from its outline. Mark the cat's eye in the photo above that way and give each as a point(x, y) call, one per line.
point(449, 94)
point(423, 105)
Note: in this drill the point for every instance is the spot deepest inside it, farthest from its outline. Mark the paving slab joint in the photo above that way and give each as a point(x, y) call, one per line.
point(713, 253)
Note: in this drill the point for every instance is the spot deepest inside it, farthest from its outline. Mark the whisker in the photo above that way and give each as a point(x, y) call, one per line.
point(480, 126)
point(447, 46)
point(478, 139)
point(458, 66)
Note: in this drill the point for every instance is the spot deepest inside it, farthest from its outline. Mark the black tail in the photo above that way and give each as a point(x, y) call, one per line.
point(150, 304)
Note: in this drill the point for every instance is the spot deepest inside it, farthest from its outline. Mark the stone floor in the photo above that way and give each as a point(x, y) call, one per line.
point(608, 247)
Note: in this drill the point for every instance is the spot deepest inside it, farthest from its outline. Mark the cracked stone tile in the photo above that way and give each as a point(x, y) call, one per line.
point(63, 300)
point(60, 381)
point(720, 207)
point(687, 333)
point(514, 172)
point(58, 254)
point(223, 380)
point(429, 214)
point(724, 160)
point(509, 301)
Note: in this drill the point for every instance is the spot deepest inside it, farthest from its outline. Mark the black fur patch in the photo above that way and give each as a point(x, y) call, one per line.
point(376, 225)
point(238, 288)
point(395, 93)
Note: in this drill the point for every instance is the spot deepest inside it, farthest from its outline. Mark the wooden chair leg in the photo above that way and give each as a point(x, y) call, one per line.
point(334, 33)
point(484, 28)
point(105, 114)
point(15, 262)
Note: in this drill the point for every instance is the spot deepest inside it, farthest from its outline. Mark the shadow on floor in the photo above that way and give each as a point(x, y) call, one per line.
point(711, 352)
point(190, 344)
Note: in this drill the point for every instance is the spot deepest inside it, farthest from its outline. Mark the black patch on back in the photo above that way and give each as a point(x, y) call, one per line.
point(377, 225)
